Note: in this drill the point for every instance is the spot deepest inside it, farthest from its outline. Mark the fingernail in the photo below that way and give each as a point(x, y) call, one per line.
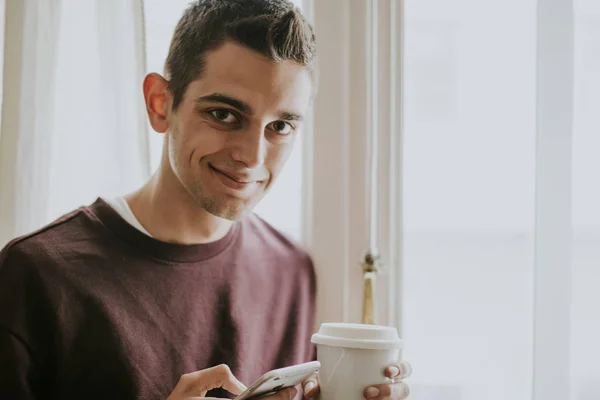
point(309, 386)
point(394, 371)
point(407, 369)
point(372, 392)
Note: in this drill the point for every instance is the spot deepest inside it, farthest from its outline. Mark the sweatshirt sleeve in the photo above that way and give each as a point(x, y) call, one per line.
point(21, 325)
point(18, 372)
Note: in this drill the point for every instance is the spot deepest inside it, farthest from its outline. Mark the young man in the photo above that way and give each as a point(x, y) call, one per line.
point(177, 291)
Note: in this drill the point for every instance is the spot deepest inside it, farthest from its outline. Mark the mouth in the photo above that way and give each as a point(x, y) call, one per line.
point(232, 181)
point(231, 176)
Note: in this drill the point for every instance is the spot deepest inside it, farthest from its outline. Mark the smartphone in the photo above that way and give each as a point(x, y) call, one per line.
point(280, 379)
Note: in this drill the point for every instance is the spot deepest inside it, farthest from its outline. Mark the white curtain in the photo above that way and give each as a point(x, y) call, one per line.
point(73, 124)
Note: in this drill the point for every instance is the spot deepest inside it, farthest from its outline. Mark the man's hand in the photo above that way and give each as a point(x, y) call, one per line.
point(195, 385)
point(396, 390)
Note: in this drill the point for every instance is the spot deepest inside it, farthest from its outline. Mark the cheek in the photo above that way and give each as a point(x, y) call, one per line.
point(277, 157)
point(199, 139)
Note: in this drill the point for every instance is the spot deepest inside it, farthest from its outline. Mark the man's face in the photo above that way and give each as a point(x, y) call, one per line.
point(233, 131)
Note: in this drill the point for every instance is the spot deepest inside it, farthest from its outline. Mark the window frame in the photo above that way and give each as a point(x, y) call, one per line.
point(337, 174)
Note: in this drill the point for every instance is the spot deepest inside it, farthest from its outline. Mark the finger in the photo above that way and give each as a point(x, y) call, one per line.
point(203, 398)
point(310, 386)
point(287, 394)
point(200, 382)
point(396, 391)
point(402, 370)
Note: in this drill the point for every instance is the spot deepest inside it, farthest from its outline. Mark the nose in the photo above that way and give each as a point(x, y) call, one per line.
point(250, 147)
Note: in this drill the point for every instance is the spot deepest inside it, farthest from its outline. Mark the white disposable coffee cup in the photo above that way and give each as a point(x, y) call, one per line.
point(353, 357)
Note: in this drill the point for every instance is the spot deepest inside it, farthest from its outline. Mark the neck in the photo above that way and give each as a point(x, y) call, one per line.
point(168, 212)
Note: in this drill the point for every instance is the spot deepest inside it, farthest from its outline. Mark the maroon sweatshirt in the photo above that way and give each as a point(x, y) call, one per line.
point(92, 308)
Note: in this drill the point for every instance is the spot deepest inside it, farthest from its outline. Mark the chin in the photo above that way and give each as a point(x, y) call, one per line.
point(233, 210)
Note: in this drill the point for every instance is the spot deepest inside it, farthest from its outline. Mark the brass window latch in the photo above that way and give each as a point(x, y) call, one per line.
point(371, 266)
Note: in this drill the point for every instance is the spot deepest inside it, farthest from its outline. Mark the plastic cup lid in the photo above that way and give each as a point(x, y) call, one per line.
point(358, 336)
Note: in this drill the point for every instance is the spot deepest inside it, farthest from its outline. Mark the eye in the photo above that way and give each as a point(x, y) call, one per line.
point(224, 115)
point(282, 127)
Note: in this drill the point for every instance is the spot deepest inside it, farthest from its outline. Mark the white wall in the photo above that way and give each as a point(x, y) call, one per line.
point(469, 180)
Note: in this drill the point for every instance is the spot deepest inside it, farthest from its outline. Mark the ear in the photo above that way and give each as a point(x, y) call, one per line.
point(158, 101)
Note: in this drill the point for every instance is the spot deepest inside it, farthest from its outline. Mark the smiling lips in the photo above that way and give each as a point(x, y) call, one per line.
point(237, 182)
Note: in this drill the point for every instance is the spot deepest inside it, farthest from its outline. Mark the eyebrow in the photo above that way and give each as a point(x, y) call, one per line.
point(288, 116)
point(225, 99)
point(243, 106)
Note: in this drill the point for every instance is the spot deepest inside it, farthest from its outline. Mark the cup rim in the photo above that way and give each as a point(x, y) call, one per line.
point(365, 344)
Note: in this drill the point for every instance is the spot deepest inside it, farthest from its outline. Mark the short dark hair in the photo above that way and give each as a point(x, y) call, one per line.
point(274, 28)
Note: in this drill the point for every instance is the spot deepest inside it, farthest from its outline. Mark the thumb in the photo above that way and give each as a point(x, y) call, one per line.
point(199, 382)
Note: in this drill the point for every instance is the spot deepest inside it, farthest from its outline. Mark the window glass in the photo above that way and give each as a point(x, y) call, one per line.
point(468, 197)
